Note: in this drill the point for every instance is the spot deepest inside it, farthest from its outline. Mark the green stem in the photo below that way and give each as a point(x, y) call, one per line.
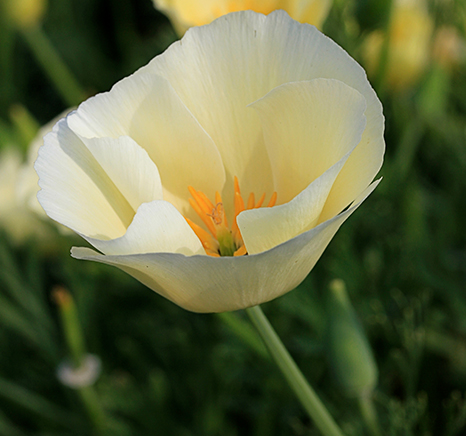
point(380, 79)
point(94, 408)
point(407, 149)
point(306, 395)
point(71, 325)
point(76, 345)
point(25, 123)
point(366, 406)
point(53, 65)
point(35, 404)
point(245, 332)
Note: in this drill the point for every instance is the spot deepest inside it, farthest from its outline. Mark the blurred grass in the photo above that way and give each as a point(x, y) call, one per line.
point(169, 372)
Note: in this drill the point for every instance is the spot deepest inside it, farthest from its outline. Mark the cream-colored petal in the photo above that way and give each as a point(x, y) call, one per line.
point(146, 108)
point(157, 228)
point(206, 284)
point(184, 153)
point(76, 191)
point(267, 227)
point(308, 127)
point(129, 167)
point(111, 113)
point(238, 59)
point(219, 77)
point(28, 180)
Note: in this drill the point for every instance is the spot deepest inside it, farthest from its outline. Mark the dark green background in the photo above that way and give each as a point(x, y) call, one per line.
point(170, 372)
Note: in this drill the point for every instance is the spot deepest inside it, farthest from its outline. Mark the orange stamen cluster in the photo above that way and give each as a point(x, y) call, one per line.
point(219, 240)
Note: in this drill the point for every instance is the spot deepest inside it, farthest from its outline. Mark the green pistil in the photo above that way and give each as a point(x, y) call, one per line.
point(227, 246)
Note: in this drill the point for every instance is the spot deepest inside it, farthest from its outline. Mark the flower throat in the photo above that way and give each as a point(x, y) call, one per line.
point(220, 240)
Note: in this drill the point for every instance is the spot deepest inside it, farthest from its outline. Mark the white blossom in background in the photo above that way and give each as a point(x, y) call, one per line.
point(77, 378)
point(21, 215)
point(16, 220)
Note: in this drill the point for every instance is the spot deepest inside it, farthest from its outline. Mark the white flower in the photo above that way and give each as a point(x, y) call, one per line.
point(262, 98)
point(21, 215)
point(83, 376)
point(16, 219)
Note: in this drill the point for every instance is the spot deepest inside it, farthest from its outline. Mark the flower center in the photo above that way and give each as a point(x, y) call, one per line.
point(220, 240)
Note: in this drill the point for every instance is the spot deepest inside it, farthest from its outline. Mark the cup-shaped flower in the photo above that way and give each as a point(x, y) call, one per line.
point(157, 173)
point(187, 13)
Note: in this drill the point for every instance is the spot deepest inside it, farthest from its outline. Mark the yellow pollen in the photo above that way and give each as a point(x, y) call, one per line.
point(220, 240)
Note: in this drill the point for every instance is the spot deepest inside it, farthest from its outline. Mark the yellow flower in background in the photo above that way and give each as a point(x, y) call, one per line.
point(24, 13)
point(218, 173)
point(449, 48)
point(409, 45)
point(188, 13)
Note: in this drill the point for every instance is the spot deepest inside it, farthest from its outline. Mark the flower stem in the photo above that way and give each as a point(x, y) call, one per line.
point(25, 124)
point(77, 347)
point(53, 65)
point(245, 332)
point(369, 414)
point(293, 375)
point(94, 408)
point(71, 325)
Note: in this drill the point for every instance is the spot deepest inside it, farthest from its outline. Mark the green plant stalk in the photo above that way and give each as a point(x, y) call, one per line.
point(407, 149)
point(71, 325)
point(94, 409)
point(36, 404)
point(381, 73)
point(7, 426)
point(53, 65)
point(76, 345)
point(25, 124)
point(368, 413)
point(306, 395)
point(245, 332)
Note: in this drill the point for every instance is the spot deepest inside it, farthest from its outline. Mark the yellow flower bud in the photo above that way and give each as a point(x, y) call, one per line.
point(449, 48)
point(187, 13)
point(409, 37)
point(348, 350)
point(25, 13)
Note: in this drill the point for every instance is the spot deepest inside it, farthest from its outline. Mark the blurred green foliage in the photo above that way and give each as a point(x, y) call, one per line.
point(170, 372)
